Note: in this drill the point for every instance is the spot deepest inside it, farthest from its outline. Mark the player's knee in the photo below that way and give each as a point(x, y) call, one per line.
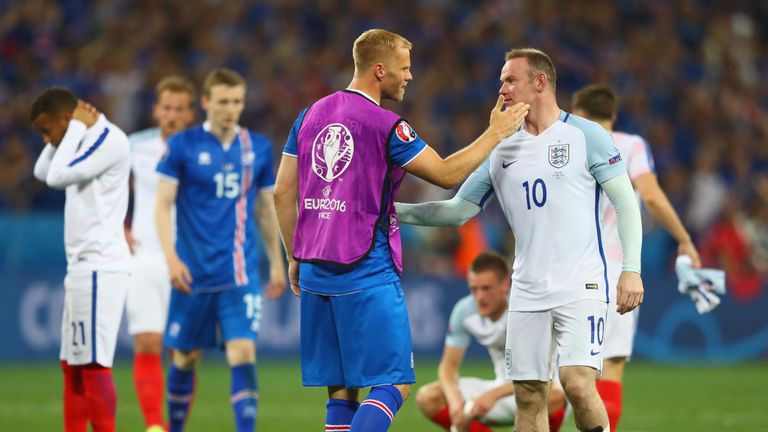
point(429, 398)
point(613, 369)
point(530, 394)
point(186, 360)
point(578, 389)
point(148, 343)
point(405, 390)
point(240, 352)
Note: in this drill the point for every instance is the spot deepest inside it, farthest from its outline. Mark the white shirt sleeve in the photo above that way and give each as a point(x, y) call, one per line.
point(478, 188)
point(44, 162)
point(468, 202)
point(71, 165)
point(454, 212)
point(630, 226)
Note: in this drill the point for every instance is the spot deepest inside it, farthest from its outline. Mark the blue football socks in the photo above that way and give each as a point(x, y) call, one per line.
point(378, 410)
point(181, 388)
point(244, 397)
point(339, 414)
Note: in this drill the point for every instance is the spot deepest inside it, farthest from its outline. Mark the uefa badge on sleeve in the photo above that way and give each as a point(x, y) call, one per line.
point(404, 132)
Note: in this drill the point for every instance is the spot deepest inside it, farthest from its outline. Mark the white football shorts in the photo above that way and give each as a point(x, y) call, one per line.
point(149, 295)
point(93, 307)
point(503, 411)
point(568, 335)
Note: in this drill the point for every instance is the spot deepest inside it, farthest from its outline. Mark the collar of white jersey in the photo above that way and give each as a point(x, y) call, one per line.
point(564, 116)
point(207, 127)
point(364, 94)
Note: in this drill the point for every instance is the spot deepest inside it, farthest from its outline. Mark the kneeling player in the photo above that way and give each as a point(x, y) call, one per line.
point(472, 403)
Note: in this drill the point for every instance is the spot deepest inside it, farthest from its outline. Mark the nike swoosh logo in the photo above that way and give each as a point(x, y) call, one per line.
point(506, 164)
point(594, 353)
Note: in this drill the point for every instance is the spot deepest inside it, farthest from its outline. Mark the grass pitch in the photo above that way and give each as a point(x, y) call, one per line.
point(656, 398)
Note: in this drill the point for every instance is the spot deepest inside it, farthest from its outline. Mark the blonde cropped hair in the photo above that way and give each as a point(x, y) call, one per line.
point(372, 45)
point(176, 84)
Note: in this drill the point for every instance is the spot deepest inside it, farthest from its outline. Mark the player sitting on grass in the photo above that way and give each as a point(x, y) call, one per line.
point(471, 404)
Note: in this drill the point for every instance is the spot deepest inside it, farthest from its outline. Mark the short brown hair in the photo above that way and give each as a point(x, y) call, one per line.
point(222, 76)
point(55, 100)
point(490, 261)
point(597, 100)
point(538, 62)
point(370, 46)
point(176, 84)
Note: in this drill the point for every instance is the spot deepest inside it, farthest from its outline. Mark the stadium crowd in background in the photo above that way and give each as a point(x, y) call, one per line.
point(692, 87)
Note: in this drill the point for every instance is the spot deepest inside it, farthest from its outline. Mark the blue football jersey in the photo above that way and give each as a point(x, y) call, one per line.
point(217, 190)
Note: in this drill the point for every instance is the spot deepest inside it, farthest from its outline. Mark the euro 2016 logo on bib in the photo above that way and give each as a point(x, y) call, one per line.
point(558, 155)
point(332, 151)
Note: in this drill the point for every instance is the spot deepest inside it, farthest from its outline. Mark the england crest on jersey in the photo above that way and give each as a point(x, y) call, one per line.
point(558, 155)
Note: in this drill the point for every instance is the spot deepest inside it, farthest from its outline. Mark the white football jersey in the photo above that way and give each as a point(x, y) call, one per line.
point(147, 148)
point(93, 164)
point(639, 160)
point(466, 323)
point(548, 188)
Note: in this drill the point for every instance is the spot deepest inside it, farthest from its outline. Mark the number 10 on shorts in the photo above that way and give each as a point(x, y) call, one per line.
point(597, 331)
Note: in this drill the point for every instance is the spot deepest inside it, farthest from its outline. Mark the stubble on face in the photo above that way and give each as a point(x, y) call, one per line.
point(397, 74)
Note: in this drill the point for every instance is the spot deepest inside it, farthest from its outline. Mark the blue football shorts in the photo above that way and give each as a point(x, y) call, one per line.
point(208, 320)
point(359, 339)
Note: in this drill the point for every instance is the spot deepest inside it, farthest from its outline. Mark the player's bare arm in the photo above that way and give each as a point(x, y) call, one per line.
point(177, 270)
point(268, 226)
point(630, 285)
point(132, 243)
point(286, 199)
point(450, 171)
point(485, 402)
point(448, 377)
point(658, 204)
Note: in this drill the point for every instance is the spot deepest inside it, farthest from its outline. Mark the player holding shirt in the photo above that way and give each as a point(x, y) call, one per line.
point(147, 304)
point(341, 168)
point(480, 315)
point(90, 157)
point(216, 174)
point(548, 178)
point(598, 103)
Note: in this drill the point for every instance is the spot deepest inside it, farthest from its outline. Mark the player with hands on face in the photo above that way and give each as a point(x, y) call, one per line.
point(89, 157)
